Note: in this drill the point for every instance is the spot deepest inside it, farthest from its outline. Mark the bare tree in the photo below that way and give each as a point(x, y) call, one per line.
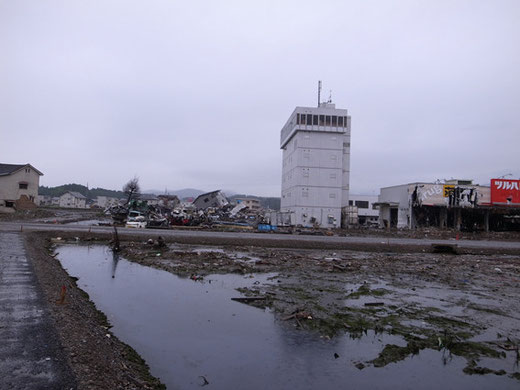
point(131, 189)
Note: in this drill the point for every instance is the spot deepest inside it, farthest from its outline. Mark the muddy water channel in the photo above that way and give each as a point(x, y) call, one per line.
point(192, 334)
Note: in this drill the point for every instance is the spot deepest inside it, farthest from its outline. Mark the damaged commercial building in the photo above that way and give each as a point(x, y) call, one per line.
point(457, 204)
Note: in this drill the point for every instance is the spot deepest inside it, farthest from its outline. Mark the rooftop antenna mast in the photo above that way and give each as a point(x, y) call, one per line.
point(319, 92)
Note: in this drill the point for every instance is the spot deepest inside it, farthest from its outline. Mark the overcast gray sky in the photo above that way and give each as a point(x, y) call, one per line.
point(194, 93)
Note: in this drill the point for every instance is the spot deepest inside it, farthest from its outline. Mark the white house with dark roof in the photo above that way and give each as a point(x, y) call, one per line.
point(18, 187)
point(72, 199)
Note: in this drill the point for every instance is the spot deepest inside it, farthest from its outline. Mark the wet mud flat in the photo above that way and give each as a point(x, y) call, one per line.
point(459, 310)
point(463, 306)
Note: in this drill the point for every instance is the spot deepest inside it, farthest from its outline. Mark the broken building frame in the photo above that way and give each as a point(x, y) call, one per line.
point(456, 204)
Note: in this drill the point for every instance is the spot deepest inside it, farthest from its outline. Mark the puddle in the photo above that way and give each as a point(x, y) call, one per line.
point(89, 222)
point(186, 329)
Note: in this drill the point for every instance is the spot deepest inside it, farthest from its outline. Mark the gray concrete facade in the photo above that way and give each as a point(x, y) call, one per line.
point(316, 164)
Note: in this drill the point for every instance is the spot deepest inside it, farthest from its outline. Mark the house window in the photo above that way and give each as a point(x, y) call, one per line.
point(22, 186)
point(362, 204)
point(9, 204)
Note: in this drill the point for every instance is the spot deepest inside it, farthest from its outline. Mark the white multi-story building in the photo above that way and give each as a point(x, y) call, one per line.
point(316, 164)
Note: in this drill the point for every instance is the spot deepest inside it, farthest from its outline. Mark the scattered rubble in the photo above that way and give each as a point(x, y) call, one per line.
point(430, 300)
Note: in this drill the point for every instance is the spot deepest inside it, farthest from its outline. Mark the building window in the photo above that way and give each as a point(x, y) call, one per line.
point(315, 120)
point(346, 144)
point(305, 173)
point(334, 121)
point(322, 120)
point(362, 204)
point(309, 119)
point(9, 204)
point(351, 203)
point(327, 120)
point(340, 121)
point(298, 119)
point(23, 186)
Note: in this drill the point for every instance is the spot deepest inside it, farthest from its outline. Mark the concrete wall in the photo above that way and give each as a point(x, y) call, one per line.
point(10, 185)
point(399, 195)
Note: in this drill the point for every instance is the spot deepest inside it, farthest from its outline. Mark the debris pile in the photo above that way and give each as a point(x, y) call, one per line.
point(212, 209)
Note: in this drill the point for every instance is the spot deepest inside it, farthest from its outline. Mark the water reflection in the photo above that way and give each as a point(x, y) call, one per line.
point(115, 261)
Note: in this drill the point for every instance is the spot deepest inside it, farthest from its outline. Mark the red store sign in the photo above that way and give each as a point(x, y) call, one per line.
point(505, 191)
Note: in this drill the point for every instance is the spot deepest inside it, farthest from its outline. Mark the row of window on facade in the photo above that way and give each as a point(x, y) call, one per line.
point(305, 194)
point(361, 204)
point(307, 156)
point(306, 173)
point(321, 120)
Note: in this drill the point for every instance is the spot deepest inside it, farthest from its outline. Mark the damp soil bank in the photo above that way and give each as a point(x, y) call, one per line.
point(98, 359)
